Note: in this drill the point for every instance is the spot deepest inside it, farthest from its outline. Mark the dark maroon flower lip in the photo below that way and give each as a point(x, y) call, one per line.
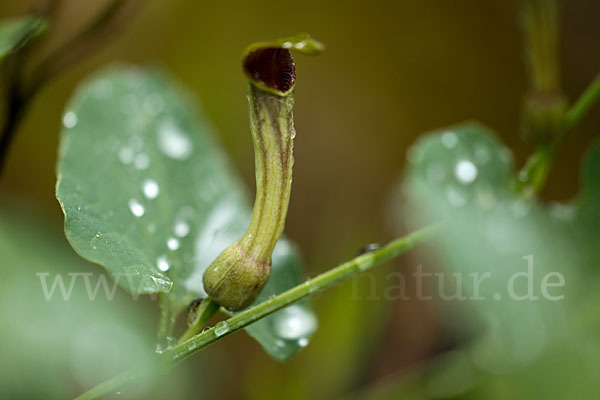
point(271, 67)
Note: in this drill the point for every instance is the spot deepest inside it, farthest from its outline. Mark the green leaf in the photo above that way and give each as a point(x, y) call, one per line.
point(464, 176)
point(16, 32)
point(284, 332)
point(57, 315)
point(148, 193)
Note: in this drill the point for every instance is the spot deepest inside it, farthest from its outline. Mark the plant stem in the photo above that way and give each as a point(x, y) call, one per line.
point(583, 104)
point(186, 348)
point(15, 111)
point(533, 175)
point(106, 23)
point(205, 311)
point(20, 96)
point(541, 30)
point(112, 385)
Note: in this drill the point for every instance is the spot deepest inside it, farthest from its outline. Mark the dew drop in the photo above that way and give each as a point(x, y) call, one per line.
point(482, 154)
point(523, 176)
point(102, 89)
point(181, 229)
point(172, 244)
point(221, 328)
point(142, 161)
point(449, 140)
point(295, 322)
point(455, 197)
point(163, 264)
point(162, 282)
point(368, 248)
point(150, 188)
point(154, 104)
point(173, 142)
point(465, 171)
point(126, 155)
point(303, 342)
point(70, 119)
point(136, 208)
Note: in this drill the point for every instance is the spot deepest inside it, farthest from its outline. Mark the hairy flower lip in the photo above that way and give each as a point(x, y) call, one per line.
point(270, 65)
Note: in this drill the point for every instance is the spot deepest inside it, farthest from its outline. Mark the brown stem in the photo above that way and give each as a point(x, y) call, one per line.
point(19, 97)
point(106, 23)
point(15, 110)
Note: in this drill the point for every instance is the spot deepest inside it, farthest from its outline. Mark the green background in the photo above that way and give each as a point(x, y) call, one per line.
point(392, 70)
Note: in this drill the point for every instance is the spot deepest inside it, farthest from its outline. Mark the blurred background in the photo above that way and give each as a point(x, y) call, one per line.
point(392, 70)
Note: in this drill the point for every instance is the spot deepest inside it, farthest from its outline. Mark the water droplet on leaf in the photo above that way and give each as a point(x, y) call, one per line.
point(455, 196)
point(150, 188)
point(465, 171)
point(136, 208)
point(181, 229)
point(163, 264)
point(70, 119)
point(172, 244)
point(449, 140)
point(295, 322)
point(173, 141)
point(142, 161)
point(126, 155)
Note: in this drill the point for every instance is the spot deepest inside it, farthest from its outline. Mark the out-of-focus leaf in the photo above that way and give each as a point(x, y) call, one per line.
point(148, 194)
point(284, 332)
point(16, 32)
point(464, 175)
point(64, 328)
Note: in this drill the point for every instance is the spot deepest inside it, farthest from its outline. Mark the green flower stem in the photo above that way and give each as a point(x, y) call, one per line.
point(583, 104)
point(113, 385)
point(272, 127)
point(546, 117)
point(205, 311)
point(186, 348)
point(541, 37)
point(239, 273)
point(534, 173)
